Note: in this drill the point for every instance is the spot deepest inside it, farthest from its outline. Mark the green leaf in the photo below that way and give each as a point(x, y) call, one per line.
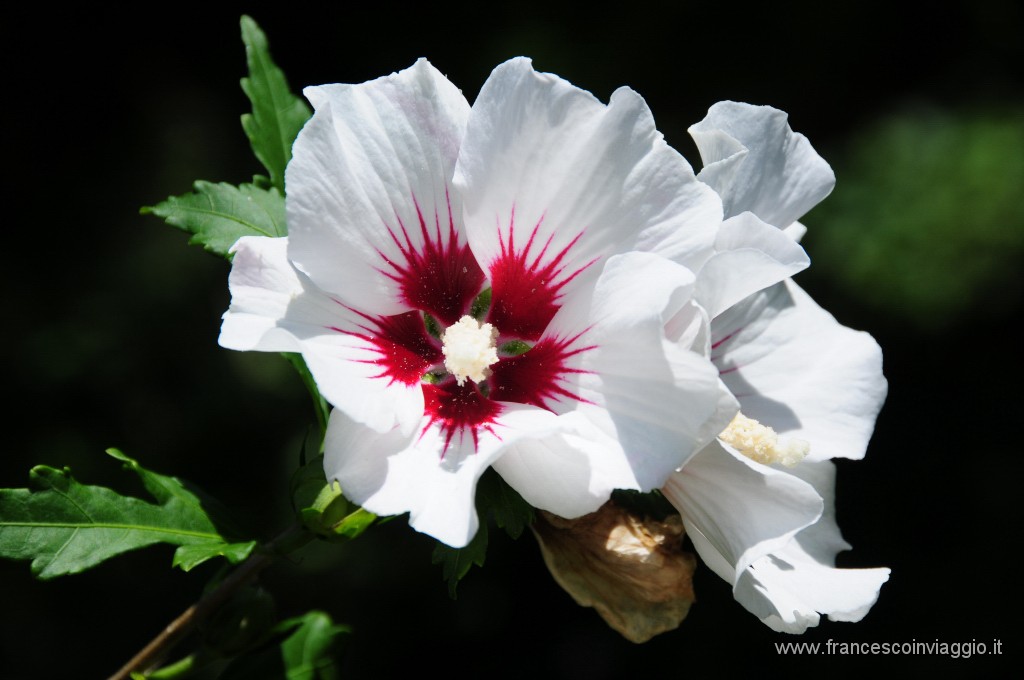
point(277, 114)
point(311, 651)
point(496, 498)
point(190, 556)
point(165, 488)
point(304, 648)
point(497, 501)
point(262, 182)
point(65, 527)
point(456, 562)
point(219, 214)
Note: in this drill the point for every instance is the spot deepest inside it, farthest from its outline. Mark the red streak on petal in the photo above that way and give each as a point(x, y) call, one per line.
point(459, 410)
point(727, 338)
point(525, 292)
point(537, 377)
point(718, 343)
point(405, 350)
point(440, 275)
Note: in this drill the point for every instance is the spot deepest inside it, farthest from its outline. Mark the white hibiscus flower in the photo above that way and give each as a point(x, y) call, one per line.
point(407, 208)
point(817, 385)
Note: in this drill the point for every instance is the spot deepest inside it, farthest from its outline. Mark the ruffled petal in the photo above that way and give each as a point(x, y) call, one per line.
point(757, 163)
point(750, 255)
point(554, 180)
point(790, 588)
point(794, 368)
point(263, 284)
point(660, 402)
point(429, 474)
point(275, 308)
point(736, 511)
point(370, 214)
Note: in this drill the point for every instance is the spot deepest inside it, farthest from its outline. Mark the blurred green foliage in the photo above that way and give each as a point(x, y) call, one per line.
point(926, 222)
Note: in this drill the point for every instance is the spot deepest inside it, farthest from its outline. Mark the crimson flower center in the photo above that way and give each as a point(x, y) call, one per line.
point(472, 349)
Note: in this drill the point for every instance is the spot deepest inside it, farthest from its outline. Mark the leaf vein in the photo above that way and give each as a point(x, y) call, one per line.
point(113, 525)
point(226, 216)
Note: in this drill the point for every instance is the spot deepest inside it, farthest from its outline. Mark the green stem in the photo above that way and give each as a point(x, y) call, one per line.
point(291, 539)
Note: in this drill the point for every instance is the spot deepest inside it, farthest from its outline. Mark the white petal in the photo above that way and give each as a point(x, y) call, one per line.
point(659, 400)
point(262, 283)
point(690, 328)
point(750, 255)
point(554, 159)
point(736, 510)
point(796, 231)
point(757, 163)
point(788, 589)
point(794, 368)
point(275, 308)
point(393, 473)
point(570, 473)
point(374, 157)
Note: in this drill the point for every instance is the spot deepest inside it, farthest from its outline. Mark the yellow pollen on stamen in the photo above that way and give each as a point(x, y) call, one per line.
point(761, 443)
point(469, 348)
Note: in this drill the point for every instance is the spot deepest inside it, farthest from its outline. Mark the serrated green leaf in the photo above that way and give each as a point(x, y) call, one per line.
point(304, 648)
point(456, 562)
point(164, 488)
point(66, 527)
point(190, 556)
point(496, 498)
point(219, 214)
point(277, 114)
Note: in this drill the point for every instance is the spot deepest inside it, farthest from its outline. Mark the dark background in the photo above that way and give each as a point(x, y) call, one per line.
point(111, 320)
